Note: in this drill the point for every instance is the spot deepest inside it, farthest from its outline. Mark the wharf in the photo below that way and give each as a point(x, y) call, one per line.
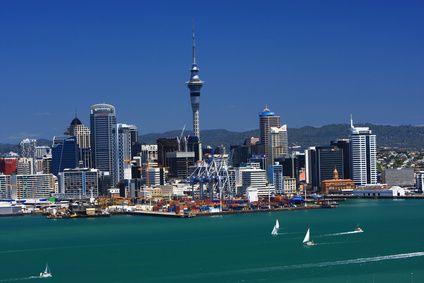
point(344, 197)
point(160, 214)
point(230, 212)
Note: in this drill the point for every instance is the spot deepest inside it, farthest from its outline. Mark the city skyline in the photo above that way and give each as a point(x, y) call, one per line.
point(122, 56)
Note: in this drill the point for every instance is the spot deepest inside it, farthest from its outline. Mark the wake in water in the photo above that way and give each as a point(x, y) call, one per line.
point(342, 233)
point(301, 266)
point(20, 279)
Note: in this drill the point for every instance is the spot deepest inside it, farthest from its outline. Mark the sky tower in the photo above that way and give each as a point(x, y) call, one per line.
point(195, 84)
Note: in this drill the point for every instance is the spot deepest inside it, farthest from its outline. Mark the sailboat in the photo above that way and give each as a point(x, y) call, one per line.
point(276, 228)
point(46, 273)
point(307, 240)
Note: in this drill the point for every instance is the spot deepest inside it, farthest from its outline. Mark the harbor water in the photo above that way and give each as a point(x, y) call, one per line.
point(233, 248)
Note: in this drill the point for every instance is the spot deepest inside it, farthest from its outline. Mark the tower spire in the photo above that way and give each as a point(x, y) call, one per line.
point(351, 121)
point(193, 45)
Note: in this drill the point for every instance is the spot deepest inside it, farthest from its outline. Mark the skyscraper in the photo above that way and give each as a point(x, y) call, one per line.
point(195, 85)
point(123, 152)
point(65, 154)
point(82, 134)
point(364, 155)
point(103, 137)
point(273, 136)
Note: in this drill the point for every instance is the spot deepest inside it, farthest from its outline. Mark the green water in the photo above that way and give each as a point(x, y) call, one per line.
point(236, 248)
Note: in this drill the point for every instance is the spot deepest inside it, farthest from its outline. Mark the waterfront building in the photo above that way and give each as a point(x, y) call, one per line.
point(103, 137)
point(419, 181)
point(64, 154)
point(79, 183)
point(364, 155)
point(5, 187)
point(253, 178)
point(83, 136)
point(277, 178)
point(25, 166)
point(8, 165)
point(402, 177)
point(392, 192)
point(32, 186)
point(345, 146)
point(195, 85)
point(337, 185)
point(290, 187)
point(123, 152)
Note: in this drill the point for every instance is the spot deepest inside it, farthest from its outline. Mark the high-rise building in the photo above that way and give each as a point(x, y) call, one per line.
point(364, 155)
point(79, 183)
point(123, 152)
point(28, 148)
point(64, 154)
point(25, 166)
point(273, 137)
point(149, 153)
point(42, 151)
point(32, 186)
point(103, 137)
point(419, 181)
point(8, 165)
point(135, 144)
point(344, 145)
point(83, 135)
point(277, 178)
point(278, 144)
point(5, 187)
point(195, 85)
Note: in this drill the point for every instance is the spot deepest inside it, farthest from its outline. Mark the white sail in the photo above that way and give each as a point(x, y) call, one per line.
point(277, 224)
point(307, 237)
point(274, 231)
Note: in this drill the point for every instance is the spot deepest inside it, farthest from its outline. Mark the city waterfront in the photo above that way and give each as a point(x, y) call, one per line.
point(231, 248)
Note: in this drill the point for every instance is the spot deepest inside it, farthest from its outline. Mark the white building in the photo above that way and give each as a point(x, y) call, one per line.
point(254, 178)
point(364, 155)
point(394, 191)
point(290, 186)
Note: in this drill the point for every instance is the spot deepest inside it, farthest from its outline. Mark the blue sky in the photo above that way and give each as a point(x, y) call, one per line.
point(312, 62)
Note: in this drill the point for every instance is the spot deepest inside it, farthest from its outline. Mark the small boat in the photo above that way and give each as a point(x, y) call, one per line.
point(307, 240)
point(276, 228)
point(359, 230)
point(46, 273)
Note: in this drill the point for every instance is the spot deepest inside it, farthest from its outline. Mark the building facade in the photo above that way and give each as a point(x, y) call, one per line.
point(103, 137)
point(364, 155)
point(79, 183)
point(65, 154)
point(32, 186)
